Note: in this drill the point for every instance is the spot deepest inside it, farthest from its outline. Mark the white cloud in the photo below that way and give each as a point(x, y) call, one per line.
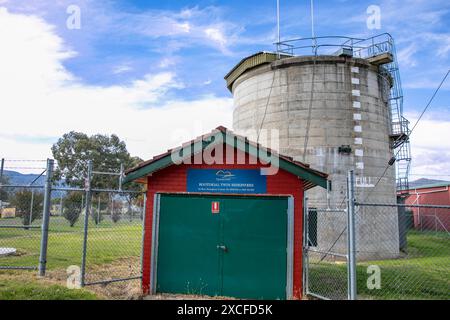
point(406, 56)
point(122, 68)
point(442, 42)
point(218, 36)
point(188, 28)
point(168, 62)
point(40, 98)
point(430, 146)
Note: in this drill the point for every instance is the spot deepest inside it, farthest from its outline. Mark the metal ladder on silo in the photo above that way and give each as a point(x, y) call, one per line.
point(382, 53)
point(399, 125)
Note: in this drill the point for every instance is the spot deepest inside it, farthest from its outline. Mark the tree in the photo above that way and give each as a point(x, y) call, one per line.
point(72, 207)
point(28, 204)
point(74, 149)
point(72, 153)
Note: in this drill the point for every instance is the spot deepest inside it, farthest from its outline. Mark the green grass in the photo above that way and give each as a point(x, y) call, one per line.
point(107, 242)
point(20, 290)
point(423, 273)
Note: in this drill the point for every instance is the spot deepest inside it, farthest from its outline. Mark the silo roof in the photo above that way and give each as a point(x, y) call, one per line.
point(250, 62)
point(264, 57)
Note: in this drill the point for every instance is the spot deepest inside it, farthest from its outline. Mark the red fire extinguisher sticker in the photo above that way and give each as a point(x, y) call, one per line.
point(215, 207)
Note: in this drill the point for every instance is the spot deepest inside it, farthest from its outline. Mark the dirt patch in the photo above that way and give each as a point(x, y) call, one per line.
point(29, 276)
point(121, 268)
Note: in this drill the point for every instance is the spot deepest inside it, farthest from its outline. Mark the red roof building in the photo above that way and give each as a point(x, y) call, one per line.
point(225, 227)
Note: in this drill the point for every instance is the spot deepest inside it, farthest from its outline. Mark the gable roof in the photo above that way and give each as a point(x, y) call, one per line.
point(186, 150)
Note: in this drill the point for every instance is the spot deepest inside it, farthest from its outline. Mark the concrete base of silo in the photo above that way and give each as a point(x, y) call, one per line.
point(376, 235)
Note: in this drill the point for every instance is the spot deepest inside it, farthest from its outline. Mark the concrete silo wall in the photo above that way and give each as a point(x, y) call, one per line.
point(346, 106)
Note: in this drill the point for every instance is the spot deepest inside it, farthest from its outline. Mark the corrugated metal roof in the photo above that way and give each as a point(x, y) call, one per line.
point(248, 63)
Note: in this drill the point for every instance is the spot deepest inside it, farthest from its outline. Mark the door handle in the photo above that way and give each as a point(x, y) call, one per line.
point(222, 247)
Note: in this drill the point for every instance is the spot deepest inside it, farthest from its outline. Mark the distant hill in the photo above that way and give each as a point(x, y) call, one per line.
point(23, 179)
point(423, 181)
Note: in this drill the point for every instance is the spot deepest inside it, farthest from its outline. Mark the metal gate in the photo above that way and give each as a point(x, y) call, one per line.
point(329, 270)
point(325, 253)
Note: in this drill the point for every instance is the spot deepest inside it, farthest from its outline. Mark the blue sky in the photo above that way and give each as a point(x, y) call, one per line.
point(173, 55)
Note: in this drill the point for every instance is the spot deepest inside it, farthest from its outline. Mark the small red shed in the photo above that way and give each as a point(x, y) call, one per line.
point(224, 217)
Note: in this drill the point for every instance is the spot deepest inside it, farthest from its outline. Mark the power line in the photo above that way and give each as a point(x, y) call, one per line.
point(407, 137)
point(387, 167)
point(431, 100)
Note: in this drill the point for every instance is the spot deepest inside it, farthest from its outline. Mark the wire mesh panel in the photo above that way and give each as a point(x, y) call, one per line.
point(114, 240)
point(82, 232)
point(20, 227)
point(326, 253)
point(406, 256)
point(65, 232)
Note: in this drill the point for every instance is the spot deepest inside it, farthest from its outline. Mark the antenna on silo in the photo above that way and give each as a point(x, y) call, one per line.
point(313, 34)
point(278, 29)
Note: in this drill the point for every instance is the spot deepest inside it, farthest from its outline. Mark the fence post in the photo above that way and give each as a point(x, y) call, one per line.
point(86, 222)
point(144, 213)
point(46, 218)
point(305, 247)
point(351, 265)
point(2, 165)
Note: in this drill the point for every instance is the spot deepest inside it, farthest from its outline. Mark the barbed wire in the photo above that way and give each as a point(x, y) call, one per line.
point(22, 160)
point(24, 168)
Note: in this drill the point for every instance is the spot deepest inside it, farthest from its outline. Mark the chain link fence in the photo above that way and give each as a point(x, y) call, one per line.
point(405, 254)
point(79, 236)
point(20, 228)
point(94, 236)
point(377, 250)
point(115, 240)
point(325, 253)
point(21, 207)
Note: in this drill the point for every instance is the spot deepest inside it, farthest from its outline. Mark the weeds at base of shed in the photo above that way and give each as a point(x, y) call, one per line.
point(168, 296)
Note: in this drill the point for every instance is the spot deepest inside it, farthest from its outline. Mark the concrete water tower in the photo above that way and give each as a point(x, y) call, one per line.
point(337, 109)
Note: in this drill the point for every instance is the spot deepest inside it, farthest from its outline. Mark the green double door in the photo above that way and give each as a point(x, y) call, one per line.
point(238, 252)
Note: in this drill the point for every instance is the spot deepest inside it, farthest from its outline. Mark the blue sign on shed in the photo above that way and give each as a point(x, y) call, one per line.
point(226, 181)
